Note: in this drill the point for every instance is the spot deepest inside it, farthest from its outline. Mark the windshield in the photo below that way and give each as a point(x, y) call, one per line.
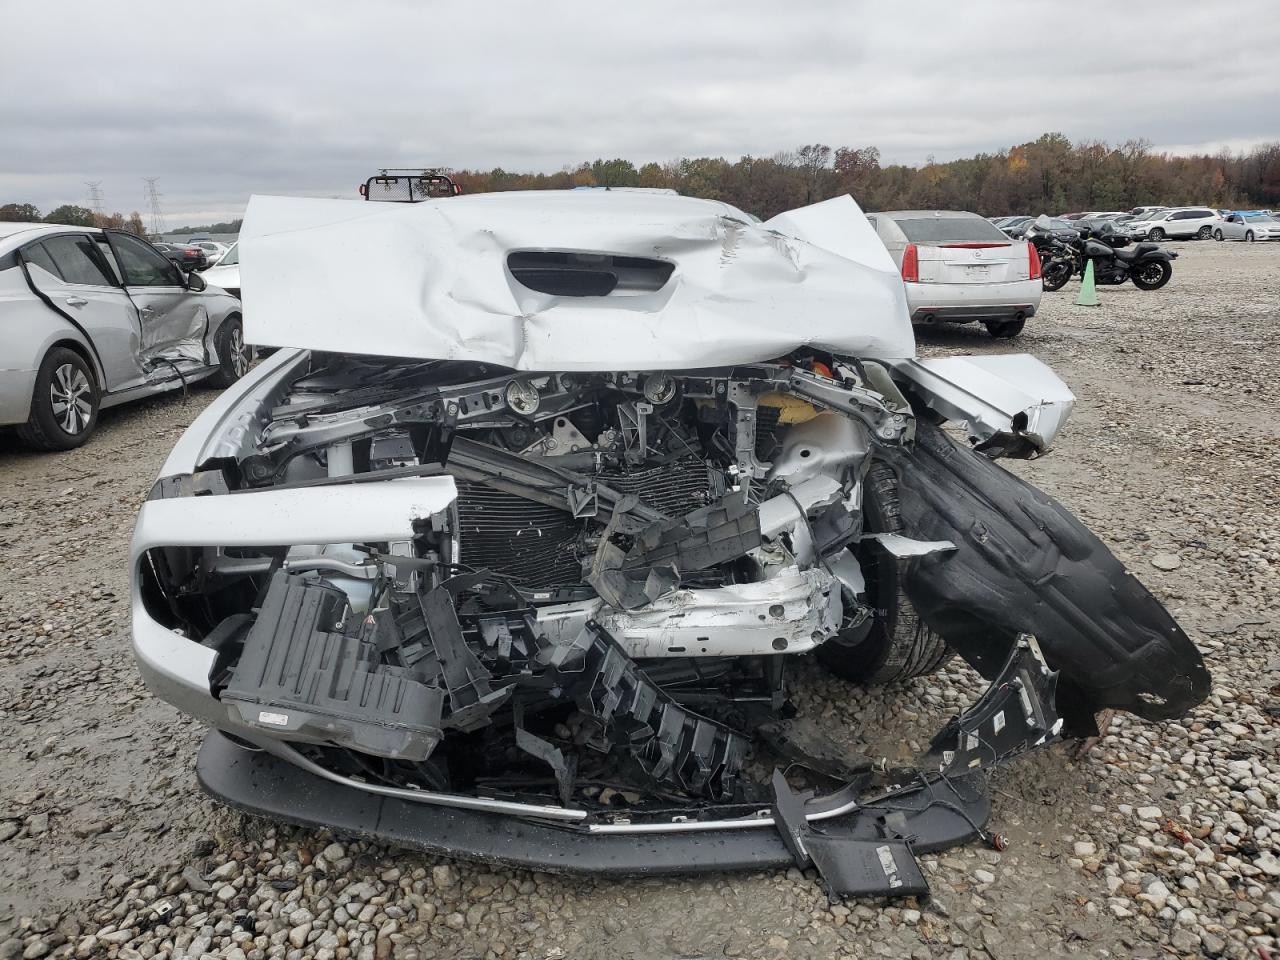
point(949, 230)
point(1260, 218)
point(231, 256)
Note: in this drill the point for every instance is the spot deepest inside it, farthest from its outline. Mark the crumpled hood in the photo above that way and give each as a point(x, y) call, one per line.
point(431, 280)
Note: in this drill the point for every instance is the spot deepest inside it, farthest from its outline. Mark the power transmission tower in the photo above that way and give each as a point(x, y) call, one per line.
point(153, 204)
point(95, 198)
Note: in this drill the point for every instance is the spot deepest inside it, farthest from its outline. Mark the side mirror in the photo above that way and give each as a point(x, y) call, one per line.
point(196, 283)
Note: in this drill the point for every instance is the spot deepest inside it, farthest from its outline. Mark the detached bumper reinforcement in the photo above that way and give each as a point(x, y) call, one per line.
point(868, 851)
point(924, 820)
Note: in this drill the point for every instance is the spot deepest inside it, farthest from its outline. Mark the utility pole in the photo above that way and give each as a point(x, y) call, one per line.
point(153, 205)
point(95, 199)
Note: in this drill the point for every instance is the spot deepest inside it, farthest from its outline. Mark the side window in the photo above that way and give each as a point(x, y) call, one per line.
point(37, 255)
point(143, 266)
point(78, 260)
point(109, 257)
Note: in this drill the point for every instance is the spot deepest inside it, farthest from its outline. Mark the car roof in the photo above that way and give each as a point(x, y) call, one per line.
point(917, 214)
point(14, 234)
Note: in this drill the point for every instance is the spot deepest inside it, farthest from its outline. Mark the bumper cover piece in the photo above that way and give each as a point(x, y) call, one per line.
point(868, 849)
point(951, 813)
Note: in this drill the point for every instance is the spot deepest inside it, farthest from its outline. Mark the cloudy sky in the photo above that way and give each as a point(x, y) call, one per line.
point(309, 97)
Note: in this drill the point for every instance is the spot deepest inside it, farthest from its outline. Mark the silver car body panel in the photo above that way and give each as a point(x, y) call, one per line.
point(139, 341)
point(1002, 396)
point(432, 280)
point(177, 669)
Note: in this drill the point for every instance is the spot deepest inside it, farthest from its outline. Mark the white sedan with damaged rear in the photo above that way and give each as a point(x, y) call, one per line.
point(507, 551)
point(958, 267)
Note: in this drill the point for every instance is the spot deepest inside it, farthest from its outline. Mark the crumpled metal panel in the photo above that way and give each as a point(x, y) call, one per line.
point(431, 280)
point(1012, 404)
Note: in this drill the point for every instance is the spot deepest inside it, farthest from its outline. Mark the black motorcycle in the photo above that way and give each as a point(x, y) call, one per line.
point(1057, 259)
point(1146, 264)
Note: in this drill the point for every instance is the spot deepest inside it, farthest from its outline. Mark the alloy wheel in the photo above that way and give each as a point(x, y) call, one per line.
point(239, 353)
point(71, 397)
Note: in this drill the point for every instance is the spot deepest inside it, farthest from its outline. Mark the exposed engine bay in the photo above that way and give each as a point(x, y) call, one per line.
point(569, 599)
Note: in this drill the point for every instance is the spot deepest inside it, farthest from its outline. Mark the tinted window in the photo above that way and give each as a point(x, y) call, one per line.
point(109, 257)
point(143, 265)
point(78, 260)
point(36, 254)
point(950, 230)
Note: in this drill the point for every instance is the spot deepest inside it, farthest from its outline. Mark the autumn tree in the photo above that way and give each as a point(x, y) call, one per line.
point(70, 215)
point(19, 213)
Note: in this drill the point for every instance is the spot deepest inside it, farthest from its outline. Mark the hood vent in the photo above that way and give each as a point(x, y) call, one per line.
point(582, 274)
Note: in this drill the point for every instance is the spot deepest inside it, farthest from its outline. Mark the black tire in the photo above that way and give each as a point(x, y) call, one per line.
point(233, 353)
point(1055, 275)
point(1217, 235)
point(1248, 236)
point(1156, 234)
point(1203, 232)
point(1004, 329)
point(64, 404)
point(898, 645)
point(1152, 275)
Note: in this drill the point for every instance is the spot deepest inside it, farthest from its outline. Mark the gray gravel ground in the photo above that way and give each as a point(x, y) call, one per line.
point(1164, 841)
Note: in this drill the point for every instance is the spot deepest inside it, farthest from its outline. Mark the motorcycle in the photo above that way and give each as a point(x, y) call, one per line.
point(1057, 261)
point(1146, 264)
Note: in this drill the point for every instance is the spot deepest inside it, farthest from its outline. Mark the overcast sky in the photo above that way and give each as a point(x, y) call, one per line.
point(224, 99)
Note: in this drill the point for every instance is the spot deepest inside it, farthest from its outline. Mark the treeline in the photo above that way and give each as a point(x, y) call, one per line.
point(74, 216)
point(225, 226)
point(1047, 175)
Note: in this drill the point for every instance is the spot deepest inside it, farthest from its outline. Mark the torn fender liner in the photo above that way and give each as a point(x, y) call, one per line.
point(1026, 565)
point(943, 815)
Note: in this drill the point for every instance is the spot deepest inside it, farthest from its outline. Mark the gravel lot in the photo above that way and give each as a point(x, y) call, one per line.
point(1164, 841)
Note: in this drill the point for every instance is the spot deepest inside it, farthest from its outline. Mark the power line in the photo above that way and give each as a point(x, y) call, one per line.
point(96, 202)
point(153, 204)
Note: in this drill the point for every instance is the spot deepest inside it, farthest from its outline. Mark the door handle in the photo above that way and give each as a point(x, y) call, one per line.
point(76, 301)
point(147, 312)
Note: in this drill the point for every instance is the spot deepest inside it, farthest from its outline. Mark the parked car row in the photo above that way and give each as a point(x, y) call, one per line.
point(1157, 224)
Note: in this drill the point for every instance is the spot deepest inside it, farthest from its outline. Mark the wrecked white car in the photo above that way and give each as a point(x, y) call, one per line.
point(507, 556)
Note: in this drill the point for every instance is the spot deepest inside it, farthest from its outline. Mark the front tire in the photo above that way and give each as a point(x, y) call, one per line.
point(64, 406)
point(1157, 234)
point(1005, 329)
point(1055, 275)
point(1248, 236)
point(233, 353)
point(898, 646)
point(1152, 275)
